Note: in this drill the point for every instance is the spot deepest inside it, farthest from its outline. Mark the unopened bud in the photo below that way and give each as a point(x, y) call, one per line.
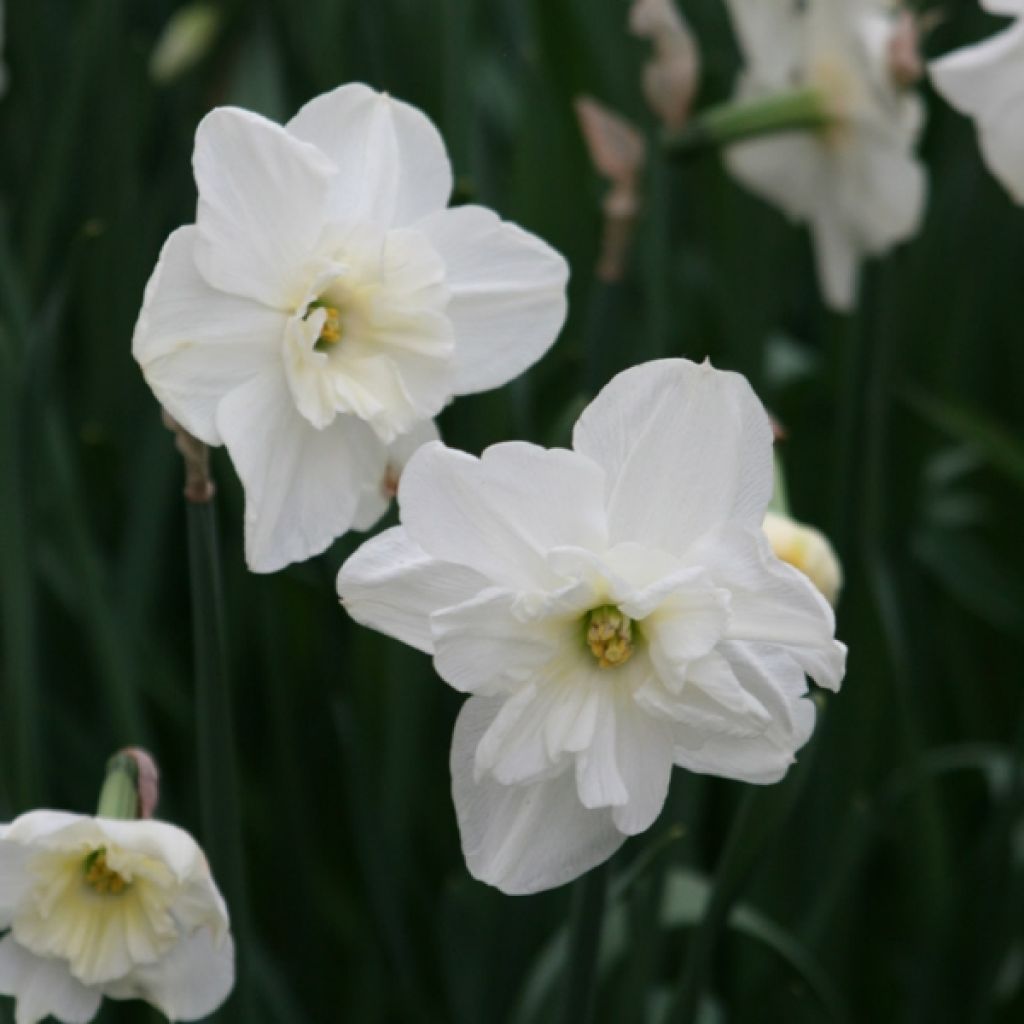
point(808, 550)
point(185, 40)
point(618, 152)
point(672, 74)
point(199, 486)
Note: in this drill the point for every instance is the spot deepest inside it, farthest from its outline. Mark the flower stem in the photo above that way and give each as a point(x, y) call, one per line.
point(802, 110)
point(217, 769)
point(589, 897)
point(119, 797)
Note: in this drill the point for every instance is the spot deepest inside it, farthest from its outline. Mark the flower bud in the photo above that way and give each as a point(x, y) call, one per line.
point(185, 40)
point(673, 71)
point(808, 550)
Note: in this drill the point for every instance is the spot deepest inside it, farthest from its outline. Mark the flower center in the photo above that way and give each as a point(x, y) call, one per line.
point(609, 635)
point(330, 333)
point(101, 877)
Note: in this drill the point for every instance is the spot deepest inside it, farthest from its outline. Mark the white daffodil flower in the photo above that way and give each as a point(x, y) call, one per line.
point(326, 304)
point(613, 610)
point(102, 907)
point(856, 182)
point(808, 550)
point(986, 82)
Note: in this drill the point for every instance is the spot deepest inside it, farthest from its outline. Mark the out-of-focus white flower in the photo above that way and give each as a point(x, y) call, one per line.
point(808, 550)
point(326, 303)
point(102, 907)
point(673, 72)
point(986, 82)
point(613, 610)
point(185, 40)
point(856, 182)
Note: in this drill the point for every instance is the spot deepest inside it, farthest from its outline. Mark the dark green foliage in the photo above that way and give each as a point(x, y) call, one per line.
point(886, 883)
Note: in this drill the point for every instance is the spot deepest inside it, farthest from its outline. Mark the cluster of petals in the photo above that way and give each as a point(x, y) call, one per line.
point(856, 183)
point(98, 907)
point(612, 610)
point(986, 82)
point(327, 304)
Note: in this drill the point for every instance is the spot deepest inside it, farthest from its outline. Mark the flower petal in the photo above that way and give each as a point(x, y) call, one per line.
point(189, 983)
point(643, 748)
point(776, 681)
point(262, 207)
point(684, 448)
point(501, 513)
point(508, 298)
point(302, 485)
point(525, 838)
point(481, 645)
point(985, 81)
point(391, 160)
point(392, 585)
point(44, 987)
point(773, 603)
point(375, 501)
point(195, 343)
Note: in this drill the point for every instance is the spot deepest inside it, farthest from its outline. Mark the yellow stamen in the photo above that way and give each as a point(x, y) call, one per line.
point(330, 333)
point(102, 878)
point(609, 635)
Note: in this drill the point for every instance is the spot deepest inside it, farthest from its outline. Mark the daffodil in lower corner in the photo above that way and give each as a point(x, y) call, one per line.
point(98, 907)
point(612, 610)
point(327, 304)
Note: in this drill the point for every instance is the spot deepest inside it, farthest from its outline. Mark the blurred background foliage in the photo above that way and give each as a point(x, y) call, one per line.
point(882, 881)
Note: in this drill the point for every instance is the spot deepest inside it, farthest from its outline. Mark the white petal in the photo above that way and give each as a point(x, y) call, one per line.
point(776, 681)
point(769, 35)
point(44, 987)
point(262, 207)
point(644, 755)
point(501, 513)
point(837, 257)
point(986, 82)
point(1009, 7)
point(508, 298)
point(684, 448)
point(392, 585)
point(189, 983)
point(302, 485)
point(391, 160)
point(790, 171)
point(526, 838)
point(598, 776)
point(375, 501)
point(773, 603)
point(481, 645)
point(194, 343)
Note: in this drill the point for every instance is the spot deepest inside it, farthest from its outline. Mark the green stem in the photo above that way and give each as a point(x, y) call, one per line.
point(589, 898)
point(217, 769)
point(119, 797)
point(802, 110)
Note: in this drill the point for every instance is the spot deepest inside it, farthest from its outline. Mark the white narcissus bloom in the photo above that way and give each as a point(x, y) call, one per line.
point(986, 81)
point(102, 907)
point(613, 610)
point(326, 304)
point(808, 550)
point(856, 183)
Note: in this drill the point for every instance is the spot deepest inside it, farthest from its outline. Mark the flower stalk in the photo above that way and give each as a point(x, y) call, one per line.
point(801, 110)
point(589, 898)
